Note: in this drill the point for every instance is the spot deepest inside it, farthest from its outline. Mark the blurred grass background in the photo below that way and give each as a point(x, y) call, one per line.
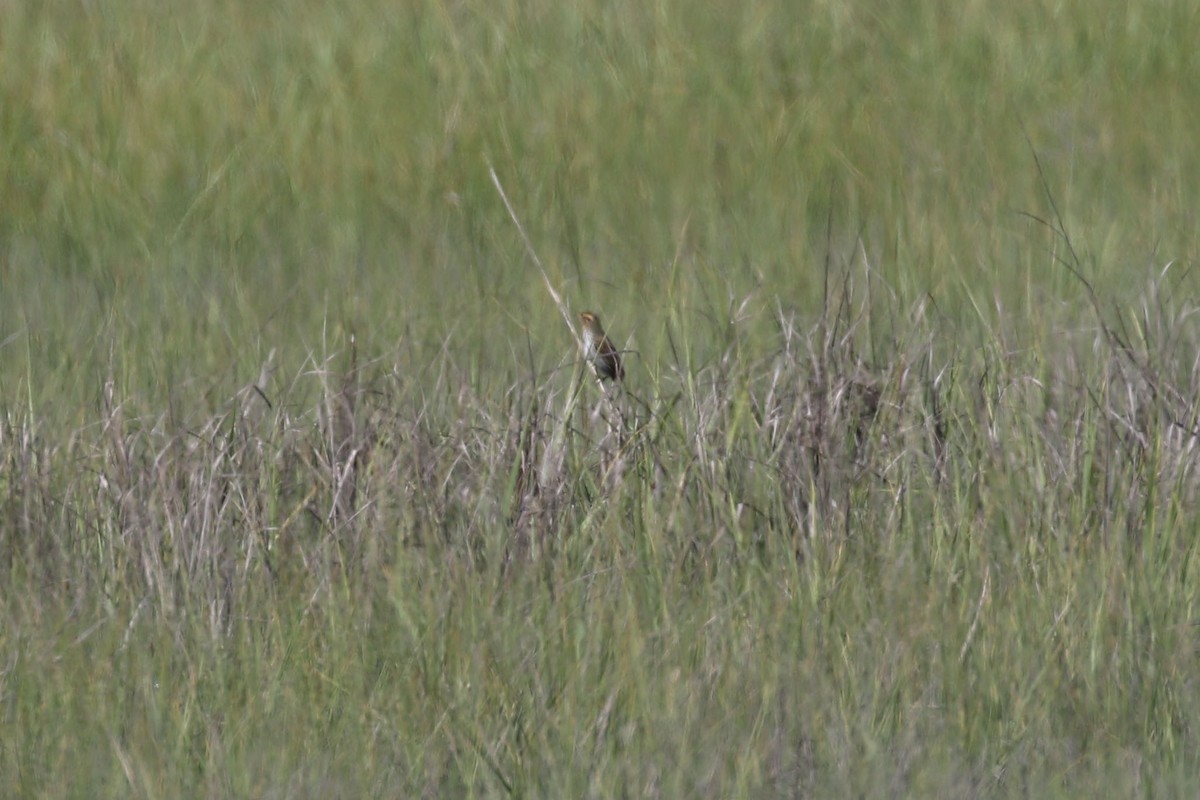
point(189, 188)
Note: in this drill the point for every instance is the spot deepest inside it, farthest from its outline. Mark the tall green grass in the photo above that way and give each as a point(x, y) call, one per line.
point(303, 491)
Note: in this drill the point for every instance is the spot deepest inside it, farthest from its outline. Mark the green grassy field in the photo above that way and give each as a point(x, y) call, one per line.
point(304, 491)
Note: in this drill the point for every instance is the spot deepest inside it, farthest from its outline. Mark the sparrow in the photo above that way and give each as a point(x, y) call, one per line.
point(598, 349)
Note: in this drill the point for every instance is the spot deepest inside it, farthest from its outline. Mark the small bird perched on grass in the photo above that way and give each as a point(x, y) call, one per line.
point(604, 358)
